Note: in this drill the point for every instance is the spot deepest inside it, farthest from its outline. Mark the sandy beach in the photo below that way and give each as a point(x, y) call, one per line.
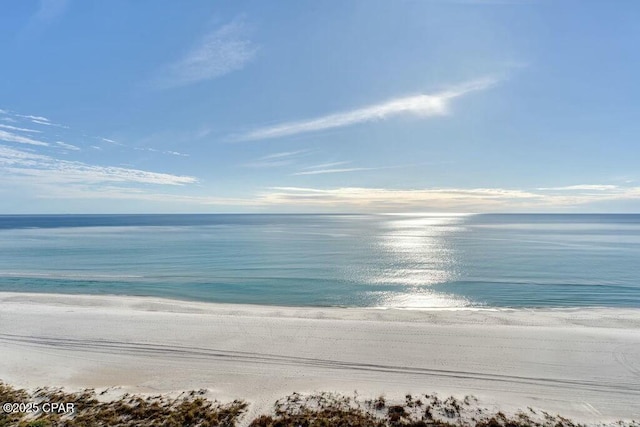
point(581, 363)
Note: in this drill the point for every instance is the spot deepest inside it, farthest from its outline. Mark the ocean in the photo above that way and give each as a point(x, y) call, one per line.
point(412, 261)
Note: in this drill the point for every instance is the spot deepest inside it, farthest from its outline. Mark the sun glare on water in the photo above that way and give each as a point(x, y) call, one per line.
point(419, 254)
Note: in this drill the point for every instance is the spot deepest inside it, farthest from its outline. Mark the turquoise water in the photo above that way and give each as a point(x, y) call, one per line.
point(410, 261)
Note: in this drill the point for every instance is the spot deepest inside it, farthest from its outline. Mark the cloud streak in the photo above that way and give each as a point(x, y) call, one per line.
point(19, 129)
point(588, 187)
point(12, 137)
point(420, 105)
point(327, 168)
point(39, 120)
point(326, 165)
point(334, 170)
point(48, 170)
point(49, 137)
point(284, 154)
point(363, 199)
point(68, 146)
point(385, 199)
point(220, 52)
point(285, 158)
point(31, 117)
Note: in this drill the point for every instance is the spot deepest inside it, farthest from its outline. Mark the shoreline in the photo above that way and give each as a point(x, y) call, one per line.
point(624, 317)
point(583, 363)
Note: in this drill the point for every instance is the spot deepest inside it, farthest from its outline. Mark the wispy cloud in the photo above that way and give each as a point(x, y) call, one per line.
point(421, 105)
point(19, 129)
point(48, 12)
point(11, 156)
point(154, 150)
point(334, 170)
point(39, 120)
point(284, 158)
point(46, 169)
point(436, 199)
point(76, 172)
point(107, 192)
point(220, 52)
point(12, 137)
point(284, 154)
point(175, 153)
point(328, 168)
point(68, 146)
point(383, 199)
point(359, 199)
point(589, 187)
point(49, 137)
point(30, 117)
point(47, 123)
point(326, 165)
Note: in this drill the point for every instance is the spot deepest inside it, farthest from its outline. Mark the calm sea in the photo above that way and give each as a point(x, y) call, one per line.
point(410, 261)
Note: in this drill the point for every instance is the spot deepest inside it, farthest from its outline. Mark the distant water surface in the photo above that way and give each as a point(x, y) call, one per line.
point(403, 261)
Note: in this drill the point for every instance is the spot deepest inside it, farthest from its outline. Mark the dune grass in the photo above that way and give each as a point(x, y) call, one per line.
point(333, 410)
point(190, 409)
point(296, 410)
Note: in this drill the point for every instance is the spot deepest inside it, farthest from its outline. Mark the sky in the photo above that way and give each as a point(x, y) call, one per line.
point(157, 106)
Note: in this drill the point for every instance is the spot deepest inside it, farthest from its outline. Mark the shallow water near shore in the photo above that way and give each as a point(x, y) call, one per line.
point(396, 261)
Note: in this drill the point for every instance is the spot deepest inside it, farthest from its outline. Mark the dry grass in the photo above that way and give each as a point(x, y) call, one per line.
point(327, 409)
point(129, 411)
point(296, 410)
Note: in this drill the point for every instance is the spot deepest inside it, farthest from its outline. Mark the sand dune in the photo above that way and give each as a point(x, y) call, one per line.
point(580, 363)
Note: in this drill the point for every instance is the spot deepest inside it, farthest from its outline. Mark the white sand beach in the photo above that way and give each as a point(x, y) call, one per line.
point(581, 363)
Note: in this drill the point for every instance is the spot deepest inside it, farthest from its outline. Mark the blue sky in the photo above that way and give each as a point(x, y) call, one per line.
point(302, 106)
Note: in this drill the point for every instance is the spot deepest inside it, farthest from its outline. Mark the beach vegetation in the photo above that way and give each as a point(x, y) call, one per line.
point(188, 409)
point(329, 409)
point(296, 410)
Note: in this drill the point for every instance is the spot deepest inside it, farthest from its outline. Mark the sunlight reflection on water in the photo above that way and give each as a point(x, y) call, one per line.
point(419, 253)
